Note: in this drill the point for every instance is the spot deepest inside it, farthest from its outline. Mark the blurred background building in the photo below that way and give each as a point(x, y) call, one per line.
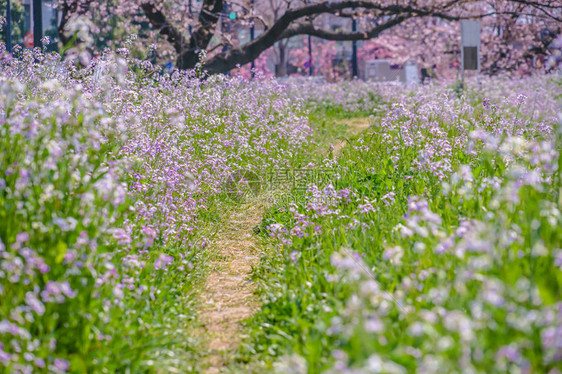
point(21, 22)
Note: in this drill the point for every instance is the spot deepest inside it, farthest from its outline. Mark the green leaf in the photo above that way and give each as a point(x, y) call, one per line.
point(61, 251)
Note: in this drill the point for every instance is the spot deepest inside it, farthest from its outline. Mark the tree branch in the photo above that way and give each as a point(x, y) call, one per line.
point(310, 29)
point(250, 51)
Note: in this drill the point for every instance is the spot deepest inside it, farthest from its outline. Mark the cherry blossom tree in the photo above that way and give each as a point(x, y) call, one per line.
point(511, 41)
point(431, 26)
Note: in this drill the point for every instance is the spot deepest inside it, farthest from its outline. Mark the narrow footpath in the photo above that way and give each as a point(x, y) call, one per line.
point(228, 295)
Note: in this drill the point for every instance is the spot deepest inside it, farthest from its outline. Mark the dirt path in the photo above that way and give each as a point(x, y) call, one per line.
point(355, 125)
point(228, 295)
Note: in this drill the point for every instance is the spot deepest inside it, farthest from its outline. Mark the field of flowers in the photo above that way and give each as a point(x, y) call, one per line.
point(434, 245)
point(436, 248)
point(112, 179)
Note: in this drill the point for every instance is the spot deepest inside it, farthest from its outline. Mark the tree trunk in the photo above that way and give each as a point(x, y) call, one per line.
point(188, 52)
point(70, 9)
point(282, 70)
point(202, 35)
